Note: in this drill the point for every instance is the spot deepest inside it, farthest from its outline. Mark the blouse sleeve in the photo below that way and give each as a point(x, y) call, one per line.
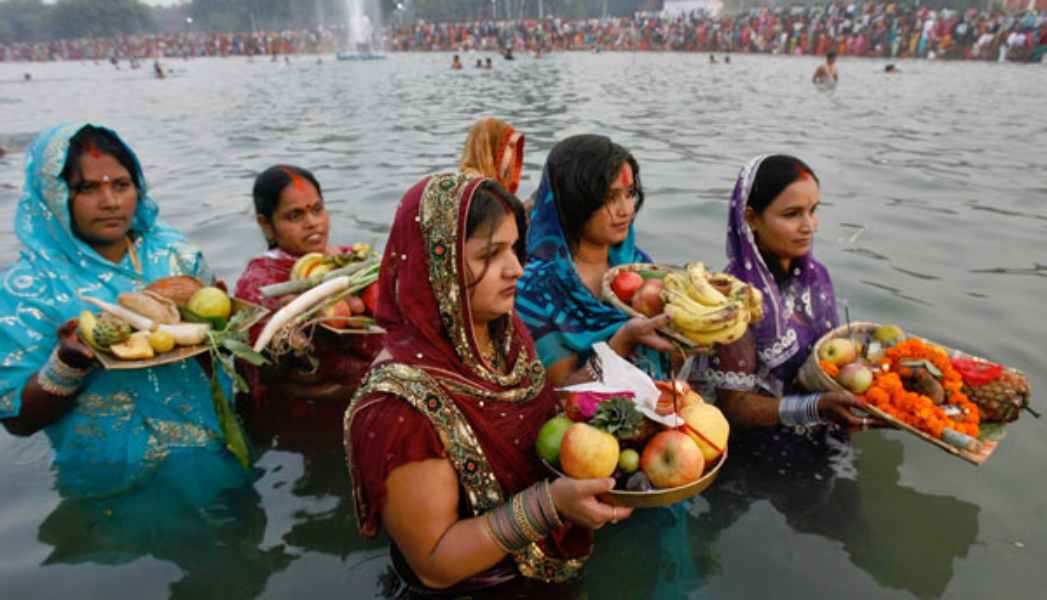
point(733, 366)
point(385, 433)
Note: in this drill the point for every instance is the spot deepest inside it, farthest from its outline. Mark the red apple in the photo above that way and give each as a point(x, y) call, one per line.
point(838, 351)
point(588, 453)
point(370, 298)
point(856, 377)
point(708, 428)
point(648, 299)
point(337, 315)
point(671, 459)
point(626, 284)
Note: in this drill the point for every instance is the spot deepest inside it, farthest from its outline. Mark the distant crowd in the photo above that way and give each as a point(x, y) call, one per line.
point(319, 40)
point(874, 29)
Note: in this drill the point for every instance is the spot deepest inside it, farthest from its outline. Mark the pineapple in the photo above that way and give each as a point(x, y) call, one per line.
point(619, 417)
point(1002, 399)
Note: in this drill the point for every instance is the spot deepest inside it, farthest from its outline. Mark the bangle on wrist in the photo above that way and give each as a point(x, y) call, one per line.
point(799, 410)
point(59, 379)
point(526, 517)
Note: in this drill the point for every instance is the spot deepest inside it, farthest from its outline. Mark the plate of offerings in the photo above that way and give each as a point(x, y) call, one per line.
point(350, 310)
point(704, 308)
point(944, 396)
point(171, 320)
point(603, 434)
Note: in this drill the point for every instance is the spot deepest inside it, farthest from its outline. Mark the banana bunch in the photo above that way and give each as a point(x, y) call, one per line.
point(317, 263)
point(710, 308)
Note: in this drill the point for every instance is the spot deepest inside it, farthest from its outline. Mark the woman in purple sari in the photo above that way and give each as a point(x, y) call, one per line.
point(769, 245)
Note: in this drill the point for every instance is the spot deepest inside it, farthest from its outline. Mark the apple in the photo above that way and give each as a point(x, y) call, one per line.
point(648, 299)
point(856, 377)
point(550, 436)
point(370, 298)
point(629, 460)
point(889, 335)
point(210, 303)
point(671, 459)
point(625, 285)
point(708, 428)
point(337, 315)
point(838, 351)
point(588, 453)
point(356, 305)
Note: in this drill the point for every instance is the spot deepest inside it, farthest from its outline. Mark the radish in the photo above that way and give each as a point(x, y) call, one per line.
point(299, 305)
point(136, 320)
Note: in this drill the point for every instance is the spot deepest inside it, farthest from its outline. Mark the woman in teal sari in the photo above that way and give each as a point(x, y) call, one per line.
point(581, 226)
point(88, 226)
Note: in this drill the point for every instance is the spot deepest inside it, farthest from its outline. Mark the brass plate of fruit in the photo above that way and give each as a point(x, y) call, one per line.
point(180, 353)
point(643, 268)
point(660, 497)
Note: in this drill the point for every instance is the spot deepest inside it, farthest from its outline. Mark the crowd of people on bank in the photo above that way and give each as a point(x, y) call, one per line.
point(320, 40)
point(875, 29)
point(487, 302)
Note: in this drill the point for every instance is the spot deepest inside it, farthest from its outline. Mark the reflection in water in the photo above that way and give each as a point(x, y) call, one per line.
point(903, 538)
point(187, 515)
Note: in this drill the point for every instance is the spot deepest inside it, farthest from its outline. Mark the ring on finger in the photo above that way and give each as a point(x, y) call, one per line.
point(614, 514)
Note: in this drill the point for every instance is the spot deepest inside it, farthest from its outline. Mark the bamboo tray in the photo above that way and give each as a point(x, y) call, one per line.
point(663, 497)
point(815, 379)
point(180, 353)
point(611, 298)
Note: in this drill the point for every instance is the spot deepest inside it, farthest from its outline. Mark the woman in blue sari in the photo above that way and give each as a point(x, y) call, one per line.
point(88, 226)
point(581, 226)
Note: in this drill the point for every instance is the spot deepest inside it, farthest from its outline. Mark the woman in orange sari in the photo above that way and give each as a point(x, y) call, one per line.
point(494, 149)
point(440, 438)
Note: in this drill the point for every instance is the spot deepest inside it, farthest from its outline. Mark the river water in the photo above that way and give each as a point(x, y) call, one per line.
point(934, 217)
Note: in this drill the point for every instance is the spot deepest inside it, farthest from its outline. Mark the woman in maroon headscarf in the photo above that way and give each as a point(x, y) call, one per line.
point(290, 210)
point(440, 437)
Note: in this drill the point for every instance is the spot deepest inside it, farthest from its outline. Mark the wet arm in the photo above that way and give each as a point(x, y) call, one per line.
point(421, 515)
point(39, 409)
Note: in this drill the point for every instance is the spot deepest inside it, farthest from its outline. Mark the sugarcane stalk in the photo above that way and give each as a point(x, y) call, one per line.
point(301, 285)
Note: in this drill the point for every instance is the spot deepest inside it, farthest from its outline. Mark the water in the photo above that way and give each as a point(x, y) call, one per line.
point(934, 217)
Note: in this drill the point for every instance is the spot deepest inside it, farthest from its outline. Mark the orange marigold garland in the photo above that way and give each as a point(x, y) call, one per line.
point(889, 395)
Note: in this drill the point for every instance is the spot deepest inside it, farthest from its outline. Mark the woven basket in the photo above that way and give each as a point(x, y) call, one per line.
point(815, 379)
point(664, 497)
point(611, 298)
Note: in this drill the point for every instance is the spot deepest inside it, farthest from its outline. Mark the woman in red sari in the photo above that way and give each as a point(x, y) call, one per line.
point(290, 210)
point(440, 437)
point(494, 149)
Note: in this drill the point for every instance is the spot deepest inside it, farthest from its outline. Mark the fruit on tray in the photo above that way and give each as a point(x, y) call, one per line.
point(178, 289)
point(671, 459)
point(710, 314)
point(625, 285)
point(708, 428)
point(135, 347)
point(838, 351)
point(102, 331)
point(588, 453)
point(210, 303)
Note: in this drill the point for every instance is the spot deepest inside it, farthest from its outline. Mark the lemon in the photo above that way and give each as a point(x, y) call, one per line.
point(210, 303)
point(161, 341)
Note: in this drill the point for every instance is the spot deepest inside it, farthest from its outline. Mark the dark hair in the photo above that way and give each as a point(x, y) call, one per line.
point(776, 173)
point(581, 170)
point(271, 183)
point(830, 56)
point(93, 139)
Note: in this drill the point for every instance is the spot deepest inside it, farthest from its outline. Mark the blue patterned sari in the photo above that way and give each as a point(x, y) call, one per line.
point(564, 317)
point(125, 424)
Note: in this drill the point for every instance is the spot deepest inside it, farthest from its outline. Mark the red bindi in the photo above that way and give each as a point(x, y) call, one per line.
point(92, 150)
point(296, 179)
point(625, 176)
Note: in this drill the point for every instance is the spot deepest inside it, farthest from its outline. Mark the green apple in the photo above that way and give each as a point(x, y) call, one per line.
point(550, 436)
point(629, 460)
point(889, 335)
